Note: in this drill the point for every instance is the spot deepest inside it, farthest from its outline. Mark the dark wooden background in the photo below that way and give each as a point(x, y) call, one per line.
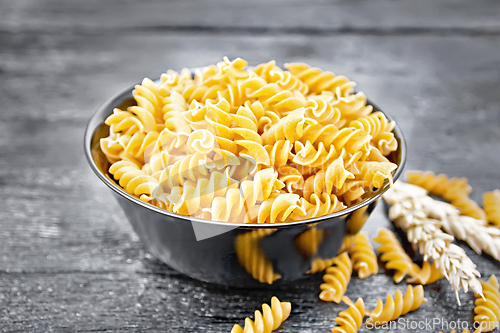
point(70, 262)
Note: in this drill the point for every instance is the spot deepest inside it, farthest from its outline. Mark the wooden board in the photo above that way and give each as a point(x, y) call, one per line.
point(69, 261)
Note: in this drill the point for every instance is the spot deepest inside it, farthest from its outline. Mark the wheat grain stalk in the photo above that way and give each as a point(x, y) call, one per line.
point(479, 236)
point(422, 219)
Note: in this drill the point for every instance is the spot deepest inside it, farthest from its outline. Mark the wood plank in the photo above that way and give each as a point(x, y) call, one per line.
point(450, 80)
point(382, 17)
point(128, 302)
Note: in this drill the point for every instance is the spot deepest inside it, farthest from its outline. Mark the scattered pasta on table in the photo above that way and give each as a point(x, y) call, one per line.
point(268, 320)
point(396, 307)
point(393, 255)
point(350, 320)
point(363, 256)
point(336, 279)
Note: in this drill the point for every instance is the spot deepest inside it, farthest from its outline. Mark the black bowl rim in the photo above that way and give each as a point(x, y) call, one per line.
point(121, 95)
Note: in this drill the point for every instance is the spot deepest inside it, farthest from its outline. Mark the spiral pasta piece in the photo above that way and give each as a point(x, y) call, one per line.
point(491, 204)
point(284, 79)
point(352, 107)
point(393, 254)
point(454, 190)
point(190, 198)
point(113, 148)
point(189, 167)
point(351, 191)
point(251, 256)
point(375, 173)
point(363, 256)
point(350, 320)
point(134, 180)
point(268, 320)
point(396, 307)
point(174, 104)
point(319, 81)
point(272, 94)
point(235, 69)
point(336, 279)
point(278, 208)
point(318, 206)
point(311, 157)
point(427, 274)
point(238, 200)
point(320, 108)
point(291, 127)
point(351, 139)
point(191, 91)
point(487, 309)
point(291, 177)
point(146, 95)
point(469, 207)
point(439, 185)
point(130, 121)
point(142, 147)
point(279, 153)
point(325, 181)
point(380, 128)
point(317, 133)
point(171, 81)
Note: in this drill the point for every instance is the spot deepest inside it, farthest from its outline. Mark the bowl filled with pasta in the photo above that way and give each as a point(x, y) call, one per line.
point(244, 175)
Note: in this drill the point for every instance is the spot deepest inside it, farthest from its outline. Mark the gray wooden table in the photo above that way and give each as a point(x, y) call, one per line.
point(70, 262)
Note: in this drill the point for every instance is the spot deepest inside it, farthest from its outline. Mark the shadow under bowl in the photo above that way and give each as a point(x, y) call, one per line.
point(240, 255)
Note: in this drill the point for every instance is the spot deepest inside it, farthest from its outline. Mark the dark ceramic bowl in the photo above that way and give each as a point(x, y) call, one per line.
point(235, 254)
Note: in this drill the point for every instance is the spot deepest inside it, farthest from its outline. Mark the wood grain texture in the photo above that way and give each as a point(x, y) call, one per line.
point(69, 261)
point(363, 16)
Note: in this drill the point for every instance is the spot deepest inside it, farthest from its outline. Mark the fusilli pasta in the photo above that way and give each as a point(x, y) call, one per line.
point(363, 256)
point(393, 254)
point(491, 205)
point(336, 279)
point(377, 125)
point(487, 309)
point(454, 190)
point(319, 81)
point(469, 207)
point(268, 320)
point(427, 274)
point(134, 180)
point(350, 320)
point(396, 307)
